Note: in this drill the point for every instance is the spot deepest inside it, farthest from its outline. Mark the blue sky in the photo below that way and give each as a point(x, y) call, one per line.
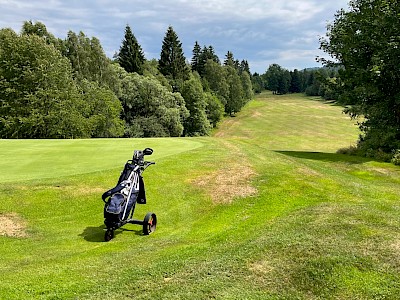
point(261, 31)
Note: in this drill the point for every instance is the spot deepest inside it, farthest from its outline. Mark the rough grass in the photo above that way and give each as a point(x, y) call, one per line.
point(319, 225)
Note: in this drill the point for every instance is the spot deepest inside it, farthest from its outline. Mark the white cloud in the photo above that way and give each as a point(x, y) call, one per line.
point(257, 30)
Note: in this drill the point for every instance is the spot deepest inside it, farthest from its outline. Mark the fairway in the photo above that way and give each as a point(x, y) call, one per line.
point(262, 209)
point(38, 159)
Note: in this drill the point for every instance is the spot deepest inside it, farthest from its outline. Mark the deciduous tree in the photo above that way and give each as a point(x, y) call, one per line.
point(150, 109)
point(38, 96)
point(197, 123)
point(365, 41)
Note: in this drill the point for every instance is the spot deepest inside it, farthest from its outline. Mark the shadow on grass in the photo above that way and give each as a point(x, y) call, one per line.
point(96, 234)
point(328, 157)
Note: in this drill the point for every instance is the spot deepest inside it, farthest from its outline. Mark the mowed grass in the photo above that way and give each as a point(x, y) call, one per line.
point(320, 225)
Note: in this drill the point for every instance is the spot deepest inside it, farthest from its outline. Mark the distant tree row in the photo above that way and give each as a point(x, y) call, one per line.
point(313, 82)
point(54, 88)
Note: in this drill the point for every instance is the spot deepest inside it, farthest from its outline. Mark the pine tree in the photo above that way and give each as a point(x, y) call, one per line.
point(172, 62)
point(229, 60)
point(244, 67)
point(211, 54)
point(130, 55)
point(204, 56)
point(196, 57)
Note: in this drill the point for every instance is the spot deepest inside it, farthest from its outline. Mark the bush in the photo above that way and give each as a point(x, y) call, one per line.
point(396, 157)
point(352, 150)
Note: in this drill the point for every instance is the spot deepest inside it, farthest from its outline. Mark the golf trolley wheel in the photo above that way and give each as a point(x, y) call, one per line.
point(109, 235)
point(149, 223)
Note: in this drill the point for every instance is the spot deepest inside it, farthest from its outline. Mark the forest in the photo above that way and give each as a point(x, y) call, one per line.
point(69, 88)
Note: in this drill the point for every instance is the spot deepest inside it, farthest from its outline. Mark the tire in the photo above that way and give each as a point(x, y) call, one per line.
point(149, 223)
point(109, 235)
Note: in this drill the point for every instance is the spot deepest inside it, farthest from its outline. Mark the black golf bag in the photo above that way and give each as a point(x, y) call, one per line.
point(121, 200)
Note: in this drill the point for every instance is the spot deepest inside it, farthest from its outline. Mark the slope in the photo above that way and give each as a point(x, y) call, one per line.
point(264, 209)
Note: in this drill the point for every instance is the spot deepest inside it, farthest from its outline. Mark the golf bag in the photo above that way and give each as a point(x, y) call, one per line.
point(121, 200)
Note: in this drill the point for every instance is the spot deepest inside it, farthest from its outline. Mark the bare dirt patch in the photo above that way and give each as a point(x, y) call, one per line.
point(12, 225)
point(230, 181)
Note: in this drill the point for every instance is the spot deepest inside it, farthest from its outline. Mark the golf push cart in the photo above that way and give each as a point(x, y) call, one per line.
point(121, 200)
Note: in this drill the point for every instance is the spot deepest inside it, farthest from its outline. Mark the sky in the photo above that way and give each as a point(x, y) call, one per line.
point(263, 32)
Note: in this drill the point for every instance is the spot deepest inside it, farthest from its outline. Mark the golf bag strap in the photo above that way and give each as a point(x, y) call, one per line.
point(114, 190)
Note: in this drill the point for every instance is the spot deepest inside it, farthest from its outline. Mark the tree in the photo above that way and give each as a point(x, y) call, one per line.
point(229, 59)
point(215, 77)
point(258, 83)
point(39, 29)
point(284, 82)
point(197, 123)
point(150, 109)
point(244, 66)
point(38, 96)
point(214, 109)
point(209, 53)
point(278, 79)
point(295, 82)
point(201, 56)
point(130, 55)
point(195, 63)
point(172, 62)
point(235, 100)
point(88, 60)
point(104, 110)
point(365, 41)
point(247, 86)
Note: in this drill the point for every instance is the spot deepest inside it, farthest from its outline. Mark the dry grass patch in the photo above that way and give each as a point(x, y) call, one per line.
point(74, 191)
point(230, 181)
point(12, 225)
point(261, 267)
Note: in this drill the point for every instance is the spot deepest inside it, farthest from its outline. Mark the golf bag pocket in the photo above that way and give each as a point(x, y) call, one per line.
point(141, 198)
point(115, 204)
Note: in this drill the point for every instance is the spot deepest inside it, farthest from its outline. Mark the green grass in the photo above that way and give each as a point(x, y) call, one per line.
point(321, 225)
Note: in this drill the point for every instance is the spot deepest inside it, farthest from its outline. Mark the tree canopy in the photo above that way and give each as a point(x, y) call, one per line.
point(150, 109)
point(54, 88)
point(364, 41)
point(38, 95)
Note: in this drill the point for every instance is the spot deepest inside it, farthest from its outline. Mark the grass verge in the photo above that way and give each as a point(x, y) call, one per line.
point(318, 225)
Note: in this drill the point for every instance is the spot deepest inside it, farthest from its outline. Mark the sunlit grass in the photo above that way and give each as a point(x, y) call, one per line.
point(320, 226)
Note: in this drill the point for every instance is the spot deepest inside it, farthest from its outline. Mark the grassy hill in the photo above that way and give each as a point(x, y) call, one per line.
point(263, 209)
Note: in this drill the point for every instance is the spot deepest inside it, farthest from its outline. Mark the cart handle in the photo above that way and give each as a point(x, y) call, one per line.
point(147, 164)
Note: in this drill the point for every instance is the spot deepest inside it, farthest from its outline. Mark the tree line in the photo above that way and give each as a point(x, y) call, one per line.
point(312, 82)
point(69, 88)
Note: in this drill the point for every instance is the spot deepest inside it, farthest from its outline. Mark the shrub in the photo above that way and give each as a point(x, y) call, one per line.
point(352, 150)
point(396, 157)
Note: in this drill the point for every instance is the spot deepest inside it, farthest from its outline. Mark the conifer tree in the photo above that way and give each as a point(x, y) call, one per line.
point(130, 55)
point(229, 60)
point(172, 62)
point(211, 54)
point(196, 57)
point(244, 66)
